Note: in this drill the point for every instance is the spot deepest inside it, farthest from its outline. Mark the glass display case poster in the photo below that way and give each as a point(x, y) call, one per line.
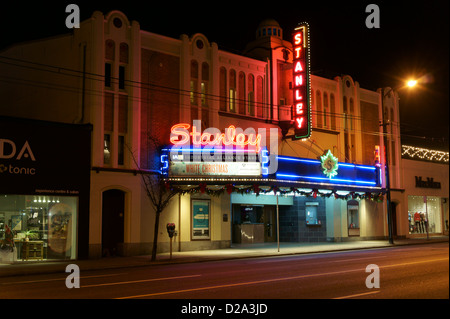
point(16, 222)
point(200, 219)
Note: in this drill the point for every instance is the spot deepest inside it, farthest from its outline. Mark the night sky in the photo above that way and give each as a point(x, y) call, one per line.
point(412, 41)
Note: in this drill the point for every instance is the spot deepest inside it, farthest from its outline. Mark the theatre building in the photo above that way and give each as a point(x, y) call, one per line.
point(256, 147)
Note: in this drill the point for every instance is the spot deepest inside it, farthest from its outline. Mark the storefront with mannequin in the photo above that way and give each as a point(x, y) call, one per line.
point(426, 194)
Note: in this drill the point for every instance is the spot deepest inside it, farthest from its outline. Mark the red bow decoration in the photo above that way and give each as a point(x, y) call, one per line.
point(315, 193)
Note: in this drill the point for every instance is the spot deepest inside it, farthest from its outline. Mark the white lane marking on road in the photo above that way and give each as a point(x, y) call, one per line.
point(273, 280)
point(358, 295)
point(138, 281)
point(352, 259)
point(56, 279)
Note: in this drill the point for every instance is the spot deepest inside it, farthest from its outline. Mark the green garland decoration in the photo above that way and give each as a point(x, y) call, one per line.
point(256, 189)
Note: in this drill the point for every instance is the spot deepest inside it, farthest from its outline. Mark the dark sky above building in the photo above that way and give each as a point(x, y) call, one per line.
point(412, 41)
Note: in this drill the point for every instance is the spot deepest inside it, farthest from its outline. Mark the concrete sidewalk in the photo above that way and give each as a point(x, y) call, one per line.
point(237, 251)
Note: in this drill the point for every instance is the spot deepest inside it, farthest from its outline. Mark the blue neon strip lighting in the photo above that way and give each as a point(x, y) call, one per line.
point(372, 168)
point(264, 162)
point(290, 176)
point(293, 159)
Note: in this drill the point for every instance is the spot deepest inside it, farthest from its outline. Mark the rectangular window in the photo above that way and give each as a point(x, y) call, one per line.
point(311, 214)
point(251, 104)
point(108, 113)
point(232, 100)
point(203, 92)
point(193, 94)
point(393, 162)
point(108, 74)
point(121, 77)
point(121, 150)
point(43, 228)
point(107, 149)
point(200, 219)
point(353, 220)
point(123, 113)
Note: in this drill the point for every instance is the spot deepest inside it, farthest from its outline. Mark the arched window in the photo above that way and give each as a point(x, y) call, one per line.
point(345, 111)
point(123, 59)
point(332, 111)
point(319, 113)
point(194, 82)
point(241, 92)
point(204, 86)
point(110, 50)
point(352, 114)
point(232, 90)
point(123, 53)
point(223, 89)
point(259, 97)
point(251, 95)
point(326, 111)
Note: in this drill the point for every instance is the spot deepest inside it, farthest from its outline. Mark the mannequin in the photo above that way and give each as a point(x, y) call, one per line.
point(417, 221)
point(422, 222)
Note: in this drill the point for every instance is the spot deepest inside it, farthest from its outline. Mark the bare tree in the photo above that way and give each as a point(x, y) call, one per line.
point(156, 190)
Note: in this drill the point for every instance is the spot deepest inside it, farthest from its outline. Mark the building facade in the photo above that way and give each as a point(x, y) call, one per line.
point(134, 86)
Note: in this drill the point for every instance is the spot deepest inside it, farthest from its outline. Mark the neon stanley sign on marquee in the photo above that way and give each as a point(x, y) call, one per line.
point(212, 153)
point(301, 82)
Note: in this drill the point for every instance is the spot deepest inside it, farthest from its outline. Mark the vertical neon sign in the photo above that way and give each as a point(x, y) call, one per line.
point(301, 82)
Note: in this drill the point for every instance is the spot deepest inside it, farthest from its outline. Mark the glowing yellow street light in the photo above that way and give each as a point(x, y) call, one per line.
point(411, 83)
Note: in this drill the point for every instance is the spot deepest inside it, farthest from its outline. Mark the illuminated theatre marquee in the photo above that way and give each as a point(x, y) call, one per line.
point(301, 82)
point(235, 153)
point(180, 136)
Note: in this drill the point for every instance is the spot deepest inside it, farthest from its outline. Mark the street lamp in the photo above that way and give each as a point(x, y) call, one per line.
point(410, 84)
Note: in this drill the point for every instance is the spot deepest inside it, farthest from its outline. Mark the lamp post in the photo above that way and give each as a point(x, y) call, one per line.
point(386, 168)
point(410, 84)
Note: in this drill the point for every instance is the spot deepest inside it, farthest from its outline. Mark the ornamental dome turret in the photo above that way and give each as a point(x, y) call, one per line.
point(269, 28)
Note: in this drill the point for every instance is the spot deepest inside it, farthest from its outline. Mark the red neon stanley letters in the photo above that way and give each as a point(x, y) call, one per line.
point(301, 108)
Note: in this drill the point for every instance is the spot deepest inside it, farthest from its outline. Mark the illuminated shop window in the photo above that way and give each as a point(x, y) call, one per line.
point(40, 227)
point(424, 212)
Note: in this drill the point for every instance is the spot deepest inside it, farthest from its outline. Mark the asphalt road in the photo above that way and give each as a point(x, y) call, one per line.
point(416, 272)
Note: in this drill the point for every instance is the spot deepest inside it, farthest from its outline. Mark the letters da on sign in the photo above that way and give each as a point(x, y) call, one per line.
point(301, 82)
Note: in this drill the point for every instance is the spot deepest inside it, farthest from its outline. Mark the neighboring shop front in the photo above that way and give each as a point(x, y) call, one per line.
point(426, 194)
point(44, 190)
